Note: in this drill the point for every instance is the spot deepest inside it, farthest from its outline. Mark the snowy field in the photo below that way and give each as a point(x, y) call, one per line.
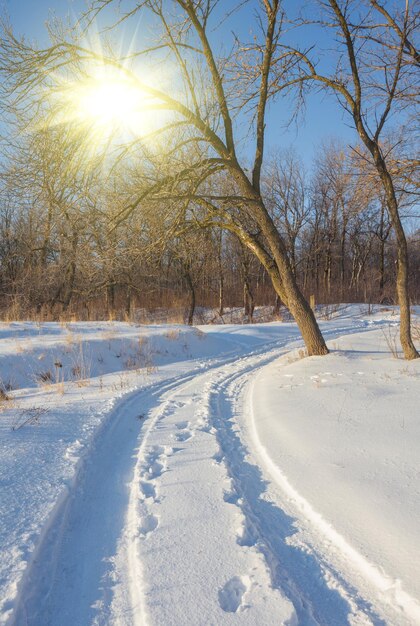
point(172, 476)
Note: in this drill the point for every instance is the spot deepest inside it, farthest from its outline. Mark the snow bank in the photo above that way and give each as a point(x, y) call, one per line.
point(340, 435)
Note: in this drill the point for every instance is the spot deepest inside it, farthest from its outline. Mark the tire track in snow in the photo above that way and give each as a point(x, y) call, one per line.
point(234, 594)
point(140, 521)
point(230, 596)
point(91, 514)
point(319, 594)
point(62, 587)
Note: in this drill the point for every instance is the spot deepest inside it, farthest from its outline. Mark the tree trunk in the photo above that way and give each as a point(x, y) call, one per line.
point(280, 272)
point(69, 284)
point(288, 290)
point(70, 273)
point(343, 256)
point(327, 271)
point(221, 295)
point(248, 301)
point(191, 307)
point(110, 298)
point(382, 254)
point(128, 301)
point(407, 343)
point(219, 242)
point(381, 269)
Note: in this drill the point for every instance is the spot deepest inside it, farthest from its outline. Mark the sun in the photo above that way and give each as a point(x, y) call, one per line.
point(107, 104)
point(110, 102)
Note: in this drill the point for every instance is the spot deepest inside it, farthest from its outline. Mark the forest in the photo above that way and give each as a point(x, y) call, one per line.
point(103, 216)
point(59, 261)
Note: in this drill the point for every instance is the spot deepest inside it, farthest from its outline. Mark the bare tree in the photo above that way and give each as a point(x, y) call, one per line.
point(285, 193)
point(373, 77)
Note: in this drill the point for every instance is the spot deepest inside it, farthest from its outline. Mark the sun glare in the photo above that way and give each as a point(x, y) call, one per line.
point(110, 102)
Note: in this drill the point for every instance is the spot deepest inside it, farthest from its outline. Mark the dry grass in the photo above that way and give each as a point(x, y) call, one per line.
point(44, 378)
point(173, 334)
point(51, 378)
point(390, 334)
point(81, 367)
point(29, 417)
point(4, 397)
point(7, 402)
point(131, 363)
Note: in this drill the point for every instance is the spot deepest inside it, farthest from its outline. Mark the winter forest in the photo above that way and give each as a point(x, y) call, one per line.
point(209, 312)
point(168, 197)
point(59, 259)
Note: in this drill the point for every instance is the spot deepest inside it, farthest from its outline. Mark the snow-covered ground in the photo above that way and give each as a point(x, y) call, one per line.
point(165, 475)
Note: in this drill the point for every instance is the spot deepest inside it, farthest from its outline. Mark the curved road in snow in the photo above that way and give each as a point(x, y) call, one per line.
point(177, 519)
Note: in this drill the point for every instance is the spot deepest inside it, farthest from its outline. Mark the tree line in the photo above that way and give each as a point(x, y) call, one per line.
point(58, 258)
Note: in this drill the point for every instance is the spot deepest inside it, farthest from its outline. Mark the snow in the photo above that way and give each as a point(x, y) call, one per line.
point(157, 474)
point(350, 463)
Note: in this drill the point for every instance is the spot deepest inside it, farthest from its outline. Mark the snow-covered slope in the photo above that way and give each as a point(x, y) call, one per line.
point(339, 436)
point(164, 475)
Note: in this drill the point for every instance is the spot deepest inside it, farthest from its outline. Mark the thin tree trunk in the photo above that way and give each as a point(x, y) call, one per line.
point(381, 268)
point(110, 298)
point(221, 294)
point(128, 302)
point(382, 254)
point(277, 304)
point(69, 285)
point(191, 306)
point(70, 273)
point(343, 256)
point(407, 343)
point(248, 300)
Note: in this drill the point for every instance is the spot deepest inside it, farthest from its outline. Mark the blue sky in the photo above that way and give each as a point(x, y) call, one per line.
point(323, 119)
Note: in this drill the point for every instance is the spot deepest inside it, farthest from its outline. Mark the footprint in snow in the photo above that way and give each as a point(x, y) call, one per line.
point(231, 497)
point(183, 435)
point(147, 489)
point(154, 453)
point(218, 457)
point(155, 469)
point(148, 524)
point(176, 404)
point(231, 595)
point(156, 461)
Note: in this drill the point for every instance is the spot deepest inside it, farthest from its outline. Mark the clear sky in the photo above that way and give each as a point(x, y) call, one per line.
point(323, 119)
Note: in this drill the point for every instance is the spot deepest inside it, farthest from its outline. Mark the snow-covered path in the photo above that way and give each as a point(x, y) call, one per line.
point(176, 522)
point(181, 516)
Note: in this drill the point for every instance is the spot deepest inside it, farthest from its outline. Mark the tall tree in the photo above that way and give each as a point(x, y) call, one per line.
point(372, 77)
